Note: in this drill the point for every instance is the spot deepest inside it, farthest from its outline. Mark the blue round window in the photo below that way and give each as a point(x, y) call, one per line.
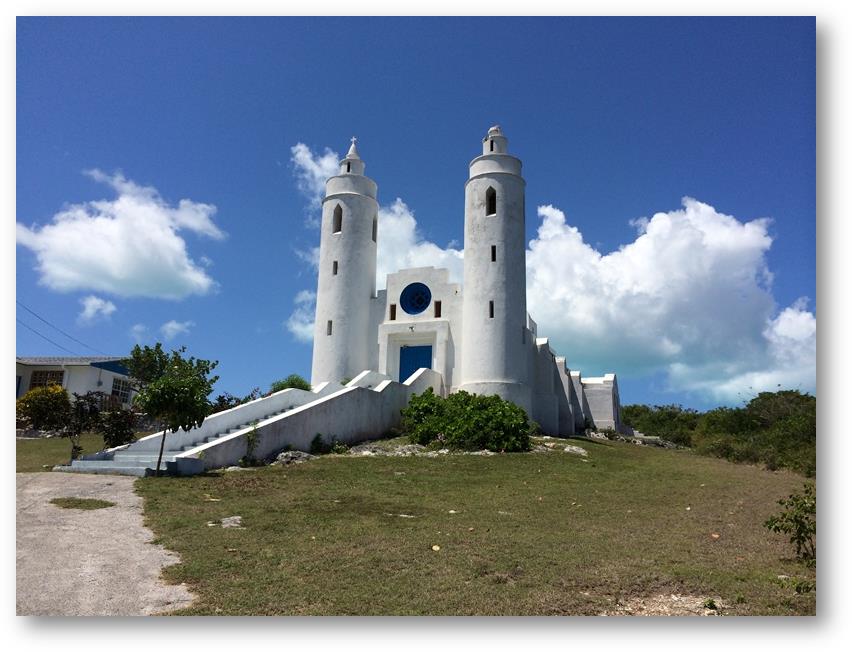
point(415, 298)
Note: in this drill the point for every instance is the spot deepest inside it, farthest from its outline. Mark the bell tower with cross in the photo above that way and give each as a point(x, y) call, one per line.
point(347, 273)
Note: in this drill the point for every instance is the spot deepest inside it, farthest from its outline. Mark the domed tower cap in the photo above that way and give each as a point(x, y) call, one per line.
point(352, 164)
point(495, 142)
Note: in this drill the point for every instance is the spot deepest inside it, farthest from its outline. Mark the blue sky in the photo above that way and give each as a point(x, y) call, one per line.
point(699, 301)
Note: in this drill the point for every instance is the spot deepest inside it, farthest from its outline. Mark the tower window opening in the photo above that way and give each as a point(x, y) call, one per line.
point(493, 253)
point(490, 310)
point(375, 228)
point(337, 221)
point(392, 312)
point(437, 308)
point(328, 328)
point(334, 268)
point(492, 145)
point(348, 166)
point(490, 201)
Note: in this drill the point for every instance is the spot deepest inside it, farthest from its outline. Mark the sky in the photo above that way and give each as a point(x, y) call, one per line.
point(169, 173)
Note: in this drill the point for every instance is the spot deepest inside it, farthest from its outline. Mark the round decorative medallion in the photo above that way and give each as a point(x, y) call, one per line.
point(415, 298)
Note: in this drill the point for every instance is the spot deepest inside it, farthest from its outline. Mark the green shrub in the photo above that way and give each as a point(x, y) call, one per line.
point(44, 408)
point(798, 519)
point(116, 426)
point(319, 445)
point(775, 428)
point(466, 421)
point(294, 381)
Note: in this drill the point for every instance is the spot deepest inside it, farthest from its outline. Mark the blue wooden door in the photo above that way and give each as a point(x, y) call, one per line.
point(411, 358)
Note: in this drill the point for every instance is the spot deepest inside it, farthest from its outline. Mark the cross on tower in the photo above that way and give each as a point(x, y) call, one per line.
point(353, 140)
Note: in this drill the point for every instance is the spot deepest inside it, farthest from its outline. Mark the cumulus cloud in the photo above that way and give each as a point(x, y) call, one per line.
point(690, 297)
point(139, 332)
point(130, 246)
point(95, 308)
point(301, 320)
point(312, 171)
point(400, 246)
point(171, 329)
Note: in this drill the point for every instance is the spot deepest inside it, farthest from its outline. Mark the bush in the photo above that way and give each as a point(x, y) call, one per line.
point(293, 380)
point(116, 426)
point(775, 428)
point(799, 521)
point(466, 421)
point(44, 408)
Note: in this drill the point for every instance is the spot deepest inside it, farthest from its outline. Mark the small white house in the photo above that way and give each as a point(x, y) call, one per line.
point(76, 374)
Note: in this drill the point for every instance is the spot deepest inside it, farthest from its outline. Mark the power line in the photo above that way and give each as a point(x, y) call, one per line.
point(44, 337)
point(70, 337)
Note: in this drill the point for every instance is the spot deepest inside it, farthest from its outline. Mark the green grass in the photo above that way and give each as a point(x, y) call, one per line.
point(542, 534)
point(44, 454)
point(81, 503)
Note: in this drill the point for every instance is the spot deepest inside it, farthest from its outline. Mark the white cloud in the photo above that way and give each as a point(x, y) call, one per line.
point(139, 332)
point(312, 171)
point(690, 297)
point(301, 320)
point(95, 308)
point(129, 246)
point(172, 328)
point(400, 246)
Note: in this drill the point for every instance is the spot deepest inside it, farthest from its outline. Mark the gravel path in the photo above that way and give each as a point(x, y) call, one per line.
point(73, 562)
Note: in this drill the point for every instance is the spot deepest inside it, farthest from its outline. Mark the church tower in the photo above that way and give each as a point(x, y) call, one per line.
point(494, 308)
point(347, 273)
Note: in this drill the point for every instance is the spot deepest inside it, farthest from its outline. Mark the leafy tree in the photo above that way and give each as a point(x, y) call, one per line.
point(44, 408)
point(147, 364)
point(115, 425)
point(82, 417)
point(177, 397)
point(293, 380)
point(226, 400)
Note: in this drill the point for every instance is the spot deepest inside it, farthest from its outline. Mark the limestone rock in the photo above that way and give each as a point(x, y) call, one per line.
point(293, 457)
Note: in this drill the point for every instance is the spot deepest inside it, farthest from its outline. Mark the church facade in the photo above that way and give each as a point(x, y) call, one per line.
point(478, 336)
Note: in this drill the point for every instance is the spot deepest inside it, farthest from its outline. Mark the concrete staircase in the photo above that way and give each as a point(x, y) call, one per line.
point(140, 457)
point(367, 407)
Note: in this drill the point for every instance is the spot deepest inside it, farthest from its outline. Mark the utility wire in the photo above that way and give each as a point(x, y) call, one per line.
point(59, 329)
point(44, 337)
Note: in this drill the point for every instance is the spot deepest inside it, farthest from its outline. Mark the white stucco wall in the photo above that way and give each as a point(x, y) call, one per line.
point(424, 328)
point(602, 396)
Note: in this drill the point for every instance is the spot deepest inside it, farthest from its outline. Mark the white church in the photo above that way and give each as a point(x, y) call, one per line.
point(374, 350)
point(479, 337)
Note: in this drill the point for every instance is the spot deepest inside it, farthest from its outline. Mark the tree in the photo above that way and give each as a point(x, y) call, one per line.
point(82, 417)
point(293, 380)
point(115, 425)
point(147, 364)
point(172, 389)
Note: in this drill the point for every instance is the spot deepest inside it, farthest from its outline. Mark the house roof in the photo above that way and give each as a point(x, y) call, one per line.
point(53, 361)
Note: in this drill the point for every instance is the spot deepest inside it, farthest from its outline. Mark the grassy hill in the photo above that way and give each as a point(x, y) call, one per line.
point(530, 534)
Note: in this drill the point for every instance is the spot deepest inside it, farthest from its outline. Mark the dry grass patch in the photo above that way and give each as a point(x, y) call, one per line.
point(531, 534)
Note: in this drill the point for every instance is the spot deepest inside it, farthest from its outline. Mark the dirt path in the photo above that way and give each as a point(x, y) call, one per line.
point(73, 562)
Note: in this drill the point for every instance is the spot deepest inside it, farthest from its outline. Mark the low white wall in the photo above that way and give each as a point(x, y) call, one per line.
point(242, 414)
point(350, 415)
